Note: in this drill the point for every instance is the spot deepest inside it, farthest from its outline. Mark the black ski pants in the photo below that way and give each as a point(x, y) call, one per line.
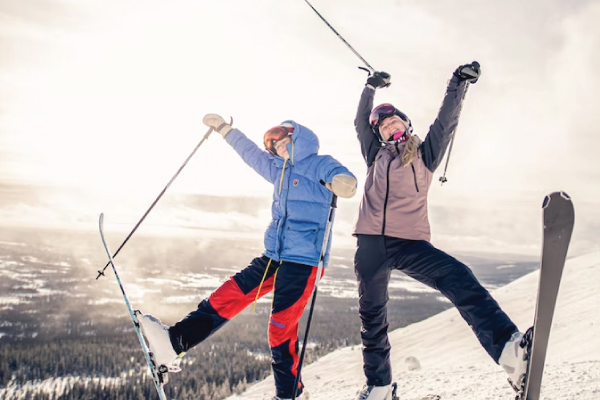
point(374, 260)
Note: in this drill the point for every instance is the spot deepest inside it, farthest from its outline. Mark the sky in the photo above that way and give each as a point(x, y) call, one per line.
point(451, 363)
point(107, 99)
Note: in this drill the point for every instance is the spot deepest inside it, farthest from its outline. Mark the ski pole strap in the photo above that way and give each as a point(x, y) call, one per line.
point(223, 125)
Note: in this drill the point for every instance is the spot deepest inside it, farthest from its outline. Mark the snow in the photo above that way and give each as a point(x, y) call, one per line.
point(453, 364)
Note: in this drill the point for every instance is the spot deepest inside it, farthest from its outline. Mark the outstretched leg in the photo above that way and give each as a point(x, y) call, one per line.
point(223, 304)
point(420, 260)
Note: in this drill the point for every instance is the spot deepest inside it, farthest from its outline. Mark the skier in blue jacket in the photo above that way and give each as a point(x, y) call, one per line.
point(303, 185)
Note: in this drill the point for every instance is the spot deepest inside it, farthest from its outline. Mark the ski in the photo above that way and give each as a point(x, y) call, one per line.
point(159, 377)
point(559, 217)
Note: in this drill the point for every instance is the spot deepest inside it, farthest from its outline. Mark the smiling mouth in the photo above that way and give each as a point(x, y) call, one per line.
point(402, 136)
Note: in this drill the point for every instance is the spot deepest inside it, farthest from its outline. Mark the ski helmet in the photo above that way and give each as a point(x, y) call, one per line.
point(276, 133)
point(383, 111)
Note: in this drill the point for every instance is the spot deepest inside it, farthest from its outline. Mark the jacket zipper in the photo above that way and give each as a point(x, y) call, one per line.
point(387, 192)
point(414, 176)
point(285, 215)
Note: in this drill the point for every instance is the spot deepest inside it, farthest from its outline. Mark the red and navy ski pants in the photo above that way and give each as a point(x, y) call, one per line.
point(292, 285)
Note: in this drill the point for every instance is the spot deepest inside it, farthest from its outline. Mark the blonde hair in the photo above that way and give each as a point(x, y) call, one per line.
point(410, 150)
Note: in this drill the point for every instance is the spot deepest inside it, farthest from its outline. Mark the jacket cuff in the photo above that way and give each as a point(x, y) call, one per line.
point(233, 135)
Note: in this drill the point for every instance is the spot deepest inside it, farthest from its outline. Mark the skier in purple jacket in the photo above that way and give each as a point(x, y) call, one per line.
point(393, 232)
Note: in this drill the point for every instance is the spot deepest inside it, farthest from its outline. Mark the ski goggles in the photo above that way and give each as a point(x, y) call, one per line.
point(383, 111)
point(275, 134)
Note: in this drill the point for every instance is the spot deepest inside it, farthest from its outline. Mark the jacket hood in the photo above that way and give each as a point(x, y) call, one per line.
point(305, 143)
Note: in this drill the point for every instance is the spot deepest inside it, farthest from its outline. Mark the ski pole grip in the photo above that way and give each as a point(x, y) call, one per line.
point(334, 198)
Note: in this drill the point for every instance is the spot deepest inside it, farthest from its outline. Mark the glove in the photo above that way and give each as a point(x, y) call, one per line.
point(217, 123)
point(379, 79)
point(468, 72)
point(342, 186)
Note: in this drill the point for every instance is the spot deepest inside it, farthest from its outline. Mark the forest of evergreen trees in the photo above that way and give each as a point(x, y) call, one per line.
point(112, 366)
point(211, 372)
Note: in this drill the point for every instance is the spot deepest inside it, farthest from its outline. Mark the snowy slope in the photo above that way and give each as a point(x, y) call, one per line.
point(452, 363)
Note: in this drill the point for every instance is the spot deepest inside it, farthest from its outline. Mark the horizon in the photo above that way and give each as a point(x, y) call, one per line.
point(216, 217)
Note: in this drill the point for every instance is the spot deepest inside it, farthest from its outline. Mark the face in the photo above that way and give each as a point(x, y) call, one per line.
point(281, 147)
point(391, 125)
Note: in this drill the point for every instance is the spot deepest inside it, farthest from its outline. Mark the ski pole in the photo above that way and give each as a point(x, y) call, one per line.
point(101, 272)
point(371, 69)
point(332, 208)
point(155, 379)
point(443, 177)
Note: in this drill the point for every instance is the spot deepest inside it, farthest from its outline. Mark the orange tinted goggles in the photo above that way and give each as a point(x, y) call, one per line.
point(273, 135)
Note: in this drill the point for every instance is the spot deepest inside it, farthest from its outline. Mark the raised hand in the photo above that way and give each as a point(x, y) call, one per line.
point(468, 72)
point(217, 123)
point(379, 79)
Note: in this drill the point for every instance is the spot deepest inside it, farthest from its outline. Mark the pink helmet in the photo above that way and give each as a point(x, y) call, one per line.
point(383, 111)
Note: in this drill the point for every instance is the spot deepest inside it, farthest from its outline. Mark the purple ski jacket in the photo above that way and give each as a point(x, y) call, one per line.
point(394, 202)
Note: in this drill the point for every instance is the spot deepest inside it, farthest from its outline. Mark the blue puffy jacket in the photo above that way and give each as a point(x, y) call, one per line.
point(300, 202)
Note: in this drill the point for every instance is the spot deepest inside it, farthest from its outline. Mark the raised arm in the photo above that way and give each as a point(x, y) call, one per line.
point(369, 142)
point(441, 131)
point(252, 155)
